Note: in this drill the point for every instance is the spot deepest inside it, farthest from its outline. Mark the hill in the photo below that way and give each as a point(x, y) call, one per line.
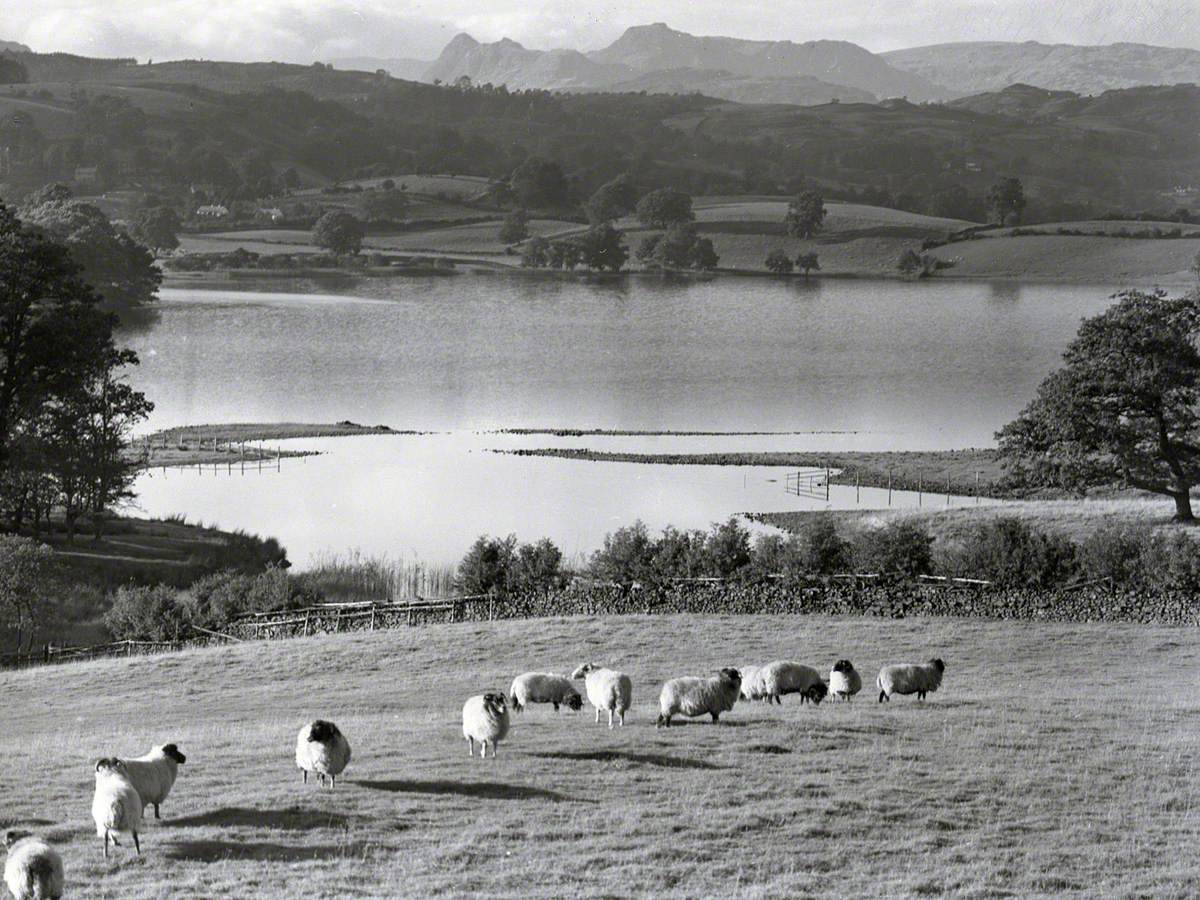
point(397, 67)
point(773, 801)
point(802, 90)
point(974, 67)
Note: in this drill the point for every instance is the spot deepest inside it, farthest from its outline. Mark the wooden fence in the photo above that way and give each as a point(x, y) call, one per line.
point(331, 618)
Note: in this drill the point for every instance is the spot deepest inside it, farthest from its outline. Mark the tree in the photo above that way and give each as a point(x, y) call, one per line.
point(1123, 408)
point(485, 568)
point(779, 262)
point(603, 247)
point(808, 262)
point(1006, 200)
point(24, 565)
point(727, 549)
point(539, 183)
point(12, 71)
point(805, 215)
point(564, 254)
point(825, 551)
point(682, 248)
point(536, 253)
point(515, 228)
point(120, 269)
point(664, 208)
point(386, 205)
point(704, 256)
point(627, 555)
point(912, 263)
point(612, 200)
point(339, 232)
point(157, 228)
point(901, 547)
point(647, 246)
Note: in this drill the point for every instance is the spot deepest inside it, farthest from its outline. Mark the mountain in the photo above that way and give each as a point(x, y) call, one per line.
point(801, 90)
point(13, 47)
point(989, 66)
point(405, 69)
point(647, 48)
point(507, 62)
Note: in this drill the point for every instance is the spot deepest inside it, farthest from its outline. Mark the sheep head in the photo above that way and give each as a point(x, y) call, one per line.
point(172, 752)
point(843, 665)
point(575, 702)
point(817, 692)
point(733, 676)
point(583, 670)
point(108, 764)
point(495, 703)
point(322, 732)
point(11, 837)
point(938, 664)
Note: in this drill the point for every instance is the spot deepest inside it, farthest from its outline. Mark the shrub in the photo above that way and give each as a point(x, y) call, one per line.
point(900, 547)
point(1010, 553)
point(779, 262)
point(825, 551)
point(727, 549)
point(679, 554)
point(158, 613)
point(500, 565)
point(1171, 564)
point(1115, 552)
point(627, 555)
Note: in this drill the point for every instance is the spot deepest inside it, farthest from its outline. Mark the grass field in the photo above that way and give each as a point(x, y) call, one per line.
point(1057, 760)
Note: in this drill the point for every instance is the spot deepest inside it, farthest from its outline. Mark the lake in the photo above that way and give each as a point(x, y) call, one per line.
point(837, 364)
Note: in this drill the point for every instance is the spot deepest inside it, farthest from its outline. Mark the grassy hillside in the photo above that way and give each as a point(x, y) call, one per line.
point(1063, 773)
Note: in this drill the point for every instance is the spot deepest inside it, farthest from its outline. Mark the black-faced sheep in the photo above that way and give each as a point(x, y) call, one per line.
point(323, 749)
point(699, 696)
point(153, 775)
point(485, 719)
point(33, 870)
point(784, 677)
point(844, 680)
point(542, 687)
point(606, 689)
point(911, 678)
point(116, 806)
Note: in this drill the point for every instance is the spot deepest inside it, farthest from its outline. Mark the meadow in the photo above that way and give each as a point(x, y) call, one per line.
point(1056, 760)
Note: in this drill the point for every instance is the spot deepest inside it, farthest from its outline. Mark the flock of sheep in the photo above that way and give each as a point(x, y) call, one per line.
point(126, 787)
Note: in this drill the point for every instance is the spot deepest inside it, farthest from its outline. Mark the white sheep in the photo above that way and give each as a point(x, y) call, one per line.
point(153, 775)
point(750, 682)
point(911, 678)
point(606, 689)
point(542, 687)
point(116, 806)
point(33, 870)
point(323, 749)
point(785, 677)
point(485, 719)
point(844, 680)
point(696, 696)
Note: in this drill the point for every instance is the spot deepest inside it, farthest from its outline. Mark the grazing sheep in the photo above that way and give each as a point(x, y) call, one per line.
point(323, 749)
point(606, 689)
point(116, 806)
point(910, 679)
point(33, 870)
point(696, 696)
point(784, 677)
point(485, 718)
point(153, 775)
point(750, 681)
point(844, 679)
point(542, 687)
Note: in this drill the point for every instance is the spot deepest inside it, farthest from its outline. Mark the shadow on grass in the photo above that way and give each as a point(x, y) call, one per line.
point(296, 819)
point(650, 759)
point(487, 790)
point(213, 851)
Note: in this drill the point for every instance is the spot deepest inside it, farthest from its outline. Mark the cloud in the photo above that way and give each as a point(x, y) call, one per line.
point(307, 30)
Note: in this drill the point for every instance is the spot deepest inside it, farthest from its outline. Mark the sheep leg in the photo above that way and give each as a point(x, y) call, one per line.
point(106, 843)
point(304, 773)
point(137, 844)
point(716, 717)
point(556, 707)
point(920, 695)
point(332, 782)
point(156, 815)
point(610, 718)
point(597, 715)
point(621, 715)
point(471, 746)
point(883, 696)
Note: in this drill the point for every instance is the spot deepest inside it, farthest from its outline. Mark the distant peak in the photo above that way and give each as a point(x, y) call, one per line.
point(462, 39)
point(509, 42)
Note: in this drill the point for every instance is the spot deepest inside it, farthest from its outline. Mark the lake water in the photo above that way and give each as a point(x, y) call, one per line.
point(835, 364)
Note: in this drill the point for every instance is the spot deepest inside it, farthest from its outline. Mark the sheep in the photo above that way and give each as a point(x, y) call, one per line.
point(784, 677)
point(116, 806)
point(844, 679)
point(749, 682)
point(485, 719)
point(697, 696)
point(606, 689)
point(910, 678)
point(33, 870)
point(153, 775)
point(542, 687)
point(323, 749)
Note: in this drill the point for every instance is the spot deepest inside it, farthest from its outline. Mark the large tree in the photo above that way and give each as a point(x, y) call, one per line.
point(339, 232)
point(120, 269)
point(805, 215)
point(1006, 201)
point(612, 200)
point(603, 247)
point(664, 208)
point(539, 184)
point(157, 228)
point(1123, 408)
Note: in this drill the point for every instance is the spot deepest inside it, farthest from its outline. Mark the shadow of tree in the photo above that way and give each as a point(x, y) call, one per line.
point(487, 790)
point(294, 819)
point(649, 759)
point(213, 851)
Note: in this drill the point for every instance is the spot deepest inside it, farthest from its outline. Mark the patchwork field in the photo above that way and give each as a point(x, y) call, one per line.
point(1057, 760)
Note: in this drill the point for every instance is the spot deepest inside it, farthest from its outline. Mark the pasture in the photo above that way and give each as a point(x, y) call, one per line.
point(1056, 760)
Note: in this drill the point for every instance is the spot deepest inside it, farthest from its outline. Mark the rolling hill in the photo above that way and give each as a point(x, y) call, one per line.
point(974, 67)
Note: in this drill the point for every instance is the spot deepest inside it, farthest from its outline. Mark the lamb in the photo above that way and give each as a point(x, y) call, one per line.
point(844, 679)
point(116, 806)
point(696, 696)
point(323, 749)
point(34, 870)
point(542, 687)
point(485, 719)
point(153, 775)
point(910, 679)
point(784, 677)
point(606, 689)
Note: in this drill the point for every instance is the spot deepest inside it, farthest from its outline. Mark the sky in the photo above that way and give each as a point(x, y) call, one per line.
point(320, 30)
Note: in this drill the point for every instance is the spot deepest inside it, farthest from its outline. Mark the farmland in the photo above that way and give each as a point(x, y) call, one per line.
point(1029, 773)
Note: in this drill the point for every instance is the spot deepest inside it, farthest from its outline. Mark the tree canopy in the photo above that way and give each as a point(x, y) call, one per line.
point(1123, 408)
point(338, 232)
point(612, 200)
point(157, 228)
point(539, 184)
point(664, 208)
point(805, 215)
point(1006, 200)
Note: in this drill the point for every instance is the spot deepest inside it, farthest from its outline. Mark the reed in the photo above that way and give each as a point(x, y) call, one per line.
point(355, 576)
